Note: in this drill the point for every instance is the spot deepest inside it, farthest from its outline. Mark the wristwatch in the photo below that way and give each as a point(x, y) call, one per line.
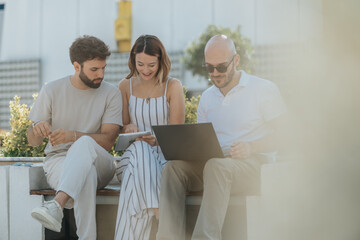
point(35, 123)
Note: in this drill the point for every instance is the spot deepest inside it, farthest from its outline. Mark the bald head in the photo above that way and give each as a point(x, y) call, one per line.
point(221, 60)
point(220, 44)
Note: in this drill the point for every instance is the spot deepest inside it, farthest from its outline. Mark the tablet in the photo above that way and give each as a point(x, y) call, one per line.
point(125, 139)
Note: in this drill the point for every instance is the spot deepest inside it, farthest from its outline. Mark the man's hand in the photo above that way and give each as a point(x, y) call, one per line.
point(61, 136)
point(240, 150)
point(42, 129)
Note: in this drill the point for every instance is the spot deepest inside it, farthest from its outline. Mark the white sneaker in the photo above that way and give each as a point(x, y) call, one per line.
point(49, 215)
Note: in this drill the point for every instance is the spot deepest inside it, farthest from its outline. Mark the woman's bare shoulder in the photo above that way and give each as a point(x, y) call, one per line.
point(174, 83)
point(124, 84)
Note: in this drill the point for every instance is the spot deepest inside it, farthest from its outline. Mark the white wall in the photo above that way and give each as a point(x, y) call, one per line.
point(45, 28)
point(287, 21)
point(1, 21)
point(263, 21)
point(21, 32)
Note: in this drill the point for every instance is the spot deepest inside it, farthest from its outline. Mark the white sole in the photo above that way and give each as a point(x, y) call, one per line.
point(46, 219)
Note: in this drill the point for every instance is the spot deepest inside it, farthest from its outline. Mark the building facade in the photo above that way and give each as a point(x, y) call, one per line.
point(43, 30)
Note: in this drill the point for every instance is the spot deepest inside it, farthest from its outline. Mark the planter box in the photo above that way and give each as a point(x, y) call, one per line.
point(6, 191)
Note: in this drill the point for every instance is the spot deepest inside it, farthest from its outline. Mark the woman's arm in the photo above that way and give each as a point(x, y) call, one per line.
point(124, 87)
point(175, 96)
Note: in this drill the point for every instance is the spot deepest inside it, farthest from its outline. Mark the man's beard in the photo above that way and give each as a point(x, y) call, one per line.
point(88, 82)
point(229, 78)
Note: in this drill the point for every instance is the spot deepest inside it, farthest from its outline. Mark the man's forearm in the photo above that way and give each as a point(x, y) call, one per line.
point(105, 140)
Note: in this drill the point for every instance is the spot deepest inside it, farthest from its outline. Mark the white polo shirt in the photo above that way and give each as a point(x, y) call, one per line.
point(242, 113)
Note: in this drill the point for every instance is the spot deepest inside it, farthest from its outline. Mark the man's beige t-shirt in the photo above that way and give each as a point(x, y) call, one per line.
point(69, 108)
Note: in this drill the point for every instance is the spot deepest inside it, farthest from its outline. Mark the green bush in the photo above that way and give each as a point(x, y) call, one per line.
point(194, 53)
point(191, 105)
point(15, 142)
point(2, 136)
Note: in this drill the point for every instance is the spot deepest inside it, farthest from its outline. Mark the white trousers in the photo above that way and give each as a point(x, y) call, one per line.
point(79, 172)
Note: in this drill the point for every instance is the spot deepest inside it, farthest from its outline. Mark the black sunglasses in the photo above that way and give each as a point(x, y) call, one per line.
point(221, 68)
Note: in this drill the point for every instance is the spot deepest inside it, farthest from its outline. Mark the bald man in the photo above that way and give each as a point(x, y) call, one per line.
point(244, 111)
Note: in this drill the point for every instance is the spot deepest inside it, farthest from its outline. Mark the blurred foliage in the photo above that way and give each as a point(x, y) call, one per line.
point(2, 136)
point(15, 142)
point(191, 105)
point(194, 53)
point(115, 153)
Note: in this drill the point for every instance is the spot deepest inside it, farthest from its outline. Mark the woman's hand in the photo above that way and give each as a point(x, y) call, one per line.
point(129, 128)
point(150, 139)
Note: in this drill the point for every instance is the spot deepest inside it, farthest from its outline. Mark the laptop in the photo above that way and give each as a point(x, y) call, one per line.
point(191, 142)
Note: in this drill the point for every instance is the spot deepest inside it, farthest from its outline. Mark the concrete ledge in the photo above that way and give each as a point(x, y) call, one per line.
point(22, 159)
point(4, 203)
point(253, 217)
point(12, 160)
point(22, 226)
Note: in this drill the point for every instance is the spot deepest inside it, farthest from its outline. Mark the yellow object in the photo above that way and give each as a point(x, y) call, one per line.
point(123, 26)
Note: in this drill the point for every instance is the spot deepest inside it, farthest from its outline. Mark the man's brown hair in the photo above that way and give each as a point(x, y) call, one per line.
point(87, 48)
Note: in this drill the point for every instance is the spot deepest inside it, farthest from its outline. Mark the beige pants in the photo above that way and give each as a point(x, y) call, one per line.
point(219, 179)
point(79, 172)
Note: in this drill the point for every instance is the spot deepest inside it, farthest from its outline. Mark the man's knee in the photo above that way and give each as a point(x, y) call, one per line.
point(169, 169)
point(85, 139)
point(85, 146)
point(173, 170)
point(84, 142)
point(216, 166)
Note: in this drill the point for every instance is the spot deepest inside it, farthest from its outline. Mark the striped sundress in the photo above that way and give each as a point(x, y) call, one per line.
point(139, 171)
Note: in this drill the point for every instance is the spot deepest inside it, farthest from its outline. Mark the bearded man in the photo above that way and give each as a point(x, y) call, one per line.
point(81, 117)
point(245, 112)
